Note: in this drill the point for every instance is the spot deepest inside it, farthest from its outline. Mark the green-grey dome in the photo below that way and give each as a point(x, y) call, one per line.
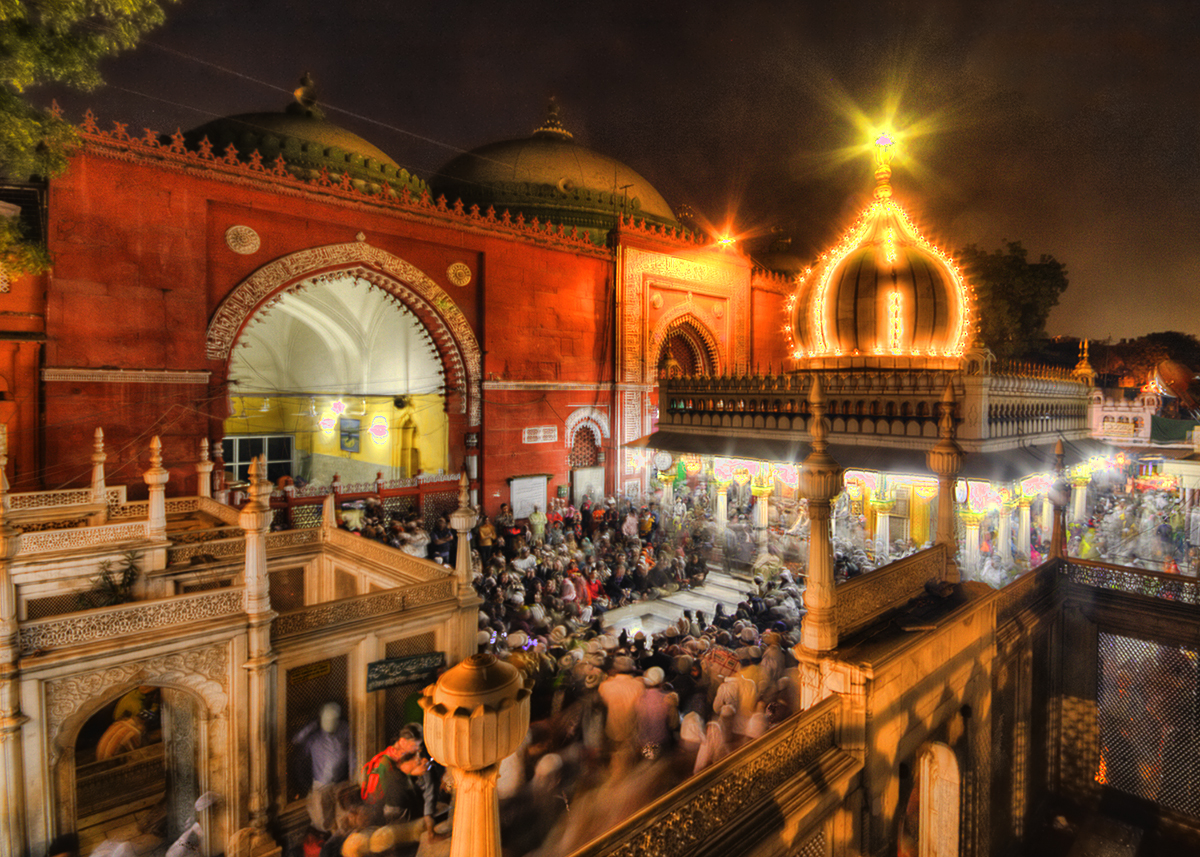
point(551, 177)
point(308, 143)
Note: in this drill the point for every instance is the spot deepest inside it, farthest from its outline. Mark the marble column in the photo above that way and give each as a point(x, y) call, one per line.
point(722, 505)
point(820, 482)
point(883, 531)
point(156, 480)
point(12, 786)
point(1059, 497)
point(204, 469)
point(1023, 527)
point(667, 503)
point(1079, 486)
point(946, 460)
point(1004, 533)
point(1047, 517)
point(255, 520)
point(971, 548)
point(762, 516)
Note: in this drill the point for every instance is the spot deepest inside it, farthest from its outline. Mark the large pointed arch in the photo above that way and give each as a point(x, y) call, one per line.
point(688, 320)
point(451, 332)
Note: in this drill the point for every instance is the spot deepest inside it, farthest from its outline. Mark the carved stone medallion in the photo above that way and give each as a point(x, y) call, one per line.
point(459, 273)
point(242, 239)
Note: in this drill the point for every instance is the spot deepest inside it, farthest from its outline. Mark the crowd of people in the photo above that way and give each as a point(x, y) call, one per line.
point(640, 710)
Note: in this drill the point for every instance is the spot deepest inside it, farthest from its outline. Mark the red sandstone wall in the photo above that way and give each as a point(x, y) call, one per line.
point(141, 264)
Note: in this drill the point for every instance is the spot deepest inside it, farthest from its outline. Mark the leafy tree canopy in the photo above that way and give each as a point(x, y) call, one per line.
point(1013, 296)
point(56, 42)
point(1131, 361)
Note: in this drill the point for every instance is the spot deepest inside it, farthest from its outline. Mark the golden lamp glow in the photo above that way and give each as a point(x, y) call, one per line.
point(895, 308)
point(885, 145)
point(726, 241)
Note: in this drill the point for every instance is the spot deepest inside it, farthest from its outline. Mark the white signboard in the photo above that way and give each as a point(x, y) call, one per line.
point(525, 492)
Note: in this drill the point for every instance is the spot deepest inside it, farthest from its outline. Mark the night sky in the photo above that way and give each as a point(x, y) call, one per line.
point(1071, 127)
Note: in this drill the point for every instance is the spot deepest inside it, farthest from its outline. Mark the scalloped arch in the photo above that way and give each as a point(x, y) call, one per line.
point(699, 322)
point(456, 344)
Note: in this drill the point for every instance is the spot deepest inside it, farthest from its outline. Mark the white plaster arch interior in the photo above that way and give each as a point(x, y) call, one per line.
point(338, 335)
point(432, 349)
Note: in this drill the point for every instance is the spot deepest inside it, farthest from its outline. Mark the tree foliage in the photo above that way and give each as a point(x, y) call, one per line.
point(1013, 296)
point(56, 42)
point(1132, 361)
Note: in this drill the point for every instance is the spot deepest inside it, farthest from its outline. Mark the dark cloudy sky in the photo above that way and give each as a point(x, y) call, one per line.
point(1072, 127)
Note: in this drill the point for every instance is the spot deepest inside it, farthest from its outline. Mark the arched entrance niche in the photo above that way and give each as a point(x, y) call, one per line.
point(938, 785)
point(352, 356)
point(684, 344)
point(452, 336)
point(195, 748)
point(587, 431)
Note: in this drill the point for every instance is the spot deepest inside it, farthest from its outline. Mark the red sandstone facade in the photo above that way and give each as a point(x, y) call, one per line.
point(147, 298)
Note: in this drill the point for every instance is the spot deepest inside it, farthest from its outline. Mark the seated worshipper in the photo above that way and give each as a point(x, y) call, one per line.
point(401, 790)
point(416, 540)
point(537, 525)
point(327, 742)
point(441, 541)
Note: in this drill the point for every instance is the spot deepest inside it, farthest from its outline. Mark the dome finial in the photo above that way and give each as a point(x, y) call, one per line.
point(884, 152)
point(553, 126)
point(306, 98)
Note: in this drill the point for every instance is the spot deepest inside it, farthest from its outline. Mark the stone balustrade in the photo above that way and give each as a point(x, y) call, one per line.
point(49, 500)
point(81, 538)
point(692, 817)
point(1153, 584)
point(347, 611)
point(139, 617)
point(864, 598)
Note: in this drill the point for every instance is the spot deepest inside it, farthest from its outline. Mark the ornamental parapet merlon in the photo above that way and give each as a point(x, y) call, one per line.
point(174, 153)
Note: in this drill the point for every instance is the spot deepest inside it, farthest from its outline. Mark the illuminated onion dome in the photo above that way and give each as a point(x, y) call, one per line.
point(884, 290)
point(308, 143)
point(551, 177)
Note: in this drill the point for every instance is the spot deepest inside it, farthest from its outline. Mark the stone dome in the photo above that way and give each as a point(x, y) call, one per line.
point(308, 143)
point(884, 290)
point(549, 176)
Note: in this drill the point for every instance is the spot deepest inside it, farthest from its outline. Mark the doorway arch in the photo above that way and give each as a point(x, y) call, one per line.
point(450, 332)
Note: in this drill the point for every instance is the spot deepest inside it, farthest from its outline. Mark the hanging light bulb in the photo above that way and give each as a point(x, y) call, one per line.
point(265, 406)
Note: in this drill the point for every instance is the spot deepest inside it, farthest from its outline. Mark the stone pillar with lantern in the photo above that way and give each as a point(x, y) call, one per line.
point(1058, 497)
point(946, 460)
point(463, 520)
point(820, 482)
point(476, 715)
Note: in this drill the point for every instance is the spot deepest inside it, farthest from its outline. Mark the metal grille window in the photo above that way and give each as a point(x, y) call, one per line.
point(309, 687)
point(1149, 721)
point(399, 701)
point(238, 451)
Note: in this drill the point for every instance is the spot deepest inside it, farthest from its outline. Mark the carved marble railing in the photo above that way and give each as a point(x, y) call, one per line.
point(221, 549)
point(136, 509)
point(25, 500)
point(1136, 581)
point(413, 568)
point(83, 537)
point(1025, 591)
point(224, 514)
point(140, 617)
point(293, 539)
point(870, 595)
point(321, 617)
point(683, 820)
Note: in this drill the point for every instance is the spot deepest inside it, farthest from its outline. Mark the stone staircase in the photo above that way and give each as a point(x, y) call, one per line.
point(653, 616)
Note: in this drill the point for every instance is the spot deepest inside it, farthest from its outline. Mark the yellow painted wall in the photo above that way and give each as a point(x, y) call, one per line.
point(425, 415)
